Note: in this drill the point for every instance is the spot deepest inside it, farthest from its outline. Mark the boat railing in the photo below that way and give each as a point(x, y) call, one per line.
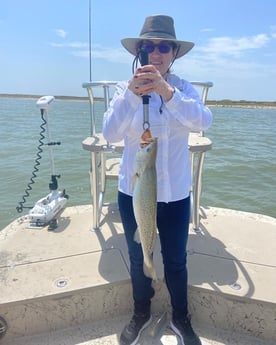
point(105, 156)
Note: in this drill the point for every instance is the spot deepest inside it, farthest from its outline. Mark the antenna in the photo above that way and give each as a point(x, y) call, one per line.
point(90, 42)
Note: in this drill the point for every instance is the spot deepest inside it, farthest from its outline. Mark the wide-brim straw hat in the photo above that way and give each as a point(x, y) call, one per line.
point(159, 27)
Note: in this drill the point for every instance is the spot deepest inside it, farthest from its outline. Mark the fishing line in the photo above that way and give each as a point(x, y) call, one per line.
point(35, 168)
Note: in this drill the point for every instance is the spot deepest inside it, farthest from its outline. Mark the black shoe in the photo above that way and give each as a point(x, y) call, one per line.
point(183, 328)
point(133, 330)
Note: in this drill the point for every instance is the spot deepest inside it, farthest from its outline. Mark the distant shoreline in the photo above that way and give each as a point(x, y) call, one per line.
point(241, 104)
point(211, 103)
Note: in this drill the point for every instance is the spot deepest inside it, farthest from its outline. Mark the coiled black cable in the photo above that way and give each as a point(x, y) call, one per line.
point(37, 163)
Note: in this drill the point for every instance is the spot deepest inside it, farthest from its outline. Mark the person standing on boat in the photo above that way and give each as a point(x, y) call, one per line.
point(175, 109)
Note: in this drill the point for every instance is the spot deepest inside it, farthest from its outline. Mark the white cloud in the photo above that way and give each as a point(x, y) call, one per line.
point(207, 30)
point(234, 47)
point(75, 45)
point(117, 55)
point(61, 33)
point(81, 49)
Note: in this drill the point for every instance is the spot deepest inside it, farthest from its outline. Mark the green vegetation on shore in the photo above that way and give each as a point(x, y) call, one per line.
point(242, 103)
point(218, 103)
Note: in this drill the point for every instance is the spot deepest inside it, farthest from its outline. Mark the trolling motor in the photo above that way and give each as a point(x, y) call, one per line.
point(45, 209)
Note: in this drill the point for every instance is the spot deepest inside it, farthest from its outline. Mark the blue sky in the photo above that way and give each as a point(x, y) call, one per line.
point(45, 44)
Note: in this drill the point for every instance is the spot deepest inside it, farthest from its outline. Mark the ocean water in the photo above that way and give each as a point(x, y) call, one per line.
point(239, 171)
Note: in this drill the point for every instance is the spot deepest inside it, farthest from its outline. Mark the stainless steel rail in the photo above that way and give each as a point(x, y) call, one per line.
point(100, 149)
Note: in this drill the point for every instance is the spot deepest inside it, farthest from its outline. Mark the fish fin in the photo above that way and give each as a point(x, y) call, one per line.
point(159, 326)
point(137, 236)
point(149, 271)
point(133, 180)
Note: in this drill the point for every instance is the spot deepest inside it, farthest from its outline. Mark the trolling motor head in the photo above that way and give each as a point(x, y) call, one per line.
point(44, 102)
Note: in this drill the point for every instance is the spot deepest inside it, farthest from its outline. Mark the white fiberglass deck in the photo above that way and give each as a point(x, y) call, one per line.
point(74, 277)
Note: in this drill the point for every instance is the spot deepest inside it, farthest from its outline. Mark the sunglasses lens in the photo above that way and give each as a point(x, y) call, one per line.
point(164, 48)
point(148, 47)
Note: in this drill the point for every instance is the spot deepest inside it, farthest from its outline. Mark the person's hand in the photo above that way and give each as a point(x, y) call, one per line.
point(148, 79)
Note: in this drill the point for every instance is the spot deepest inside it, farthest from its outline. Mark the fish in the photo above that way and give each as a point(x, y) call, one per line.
point(145, 201)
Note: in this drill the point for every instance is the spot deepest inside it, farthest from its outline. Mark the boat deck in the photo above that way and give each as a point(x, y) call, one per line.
point(71, 285)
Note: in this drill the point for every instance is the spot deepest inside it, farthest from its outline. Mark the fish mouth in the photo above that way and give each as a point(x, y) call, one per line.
point(146, 138)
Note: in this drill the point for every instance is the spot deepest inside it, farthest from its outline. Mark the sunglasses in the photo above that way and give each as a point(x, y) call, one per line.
point(163, 47)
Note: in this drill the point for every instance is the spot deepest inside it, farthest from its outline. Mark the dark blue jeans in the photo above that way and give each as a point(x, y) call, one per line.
point(173, 227)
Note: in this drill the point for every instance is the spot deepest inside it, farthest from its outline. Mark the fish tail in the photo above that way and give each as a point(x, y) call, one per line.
point(149, 271)
point(137, 236)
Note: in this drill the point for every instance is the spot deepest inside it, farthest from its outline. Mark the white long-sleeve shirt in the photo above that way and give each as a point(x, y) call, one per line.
point(170, 122)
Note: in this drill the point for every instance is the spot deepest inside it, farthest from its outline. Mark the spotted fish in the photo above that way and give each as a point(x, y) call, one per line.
point(145, 201)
